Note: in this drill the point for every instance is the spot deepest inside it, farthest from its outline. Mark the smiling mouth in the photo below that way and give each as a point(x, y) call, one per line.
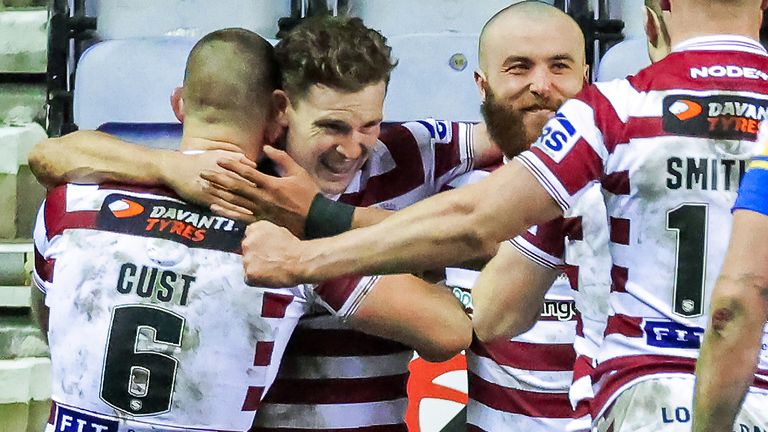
point(340, 169)
point(537, 110)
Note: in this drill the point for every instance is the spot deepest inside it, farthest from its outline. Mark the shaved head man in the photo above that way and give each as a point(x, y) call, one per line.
point(527, 70)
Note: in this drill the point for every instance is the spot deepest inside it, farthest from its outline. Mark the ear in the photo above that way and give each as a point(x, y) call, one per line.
point(764, 6)
point(177, 103)
point(481, 82)
point(651, 26)
point(281, 103)
point(586, 74)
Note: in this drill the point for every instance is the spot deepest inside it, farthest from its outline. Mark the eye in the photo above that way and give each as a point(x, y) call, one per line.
point(334, 128)
point(517, 68)
point(561, 66)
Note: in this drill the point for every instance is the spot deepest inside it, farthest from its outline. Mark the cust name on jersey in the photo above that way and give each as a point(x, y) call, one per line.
point(185, 223)
point(154, 283)
point(704, 173)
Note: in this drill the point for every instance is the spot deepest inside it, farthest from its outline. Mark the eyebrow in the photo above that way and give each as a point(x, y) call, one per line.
point(332, 123)
point(513, 59)
point(567, 57)
point(373, 123)
point(342, 125)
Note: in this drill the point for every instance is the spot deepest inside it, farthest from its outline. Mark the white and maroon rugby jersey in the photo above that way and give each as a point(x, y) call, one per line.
point(151, 323)
point(334, 378)
point(522, 383)
point(668, 147)
point(586, 261)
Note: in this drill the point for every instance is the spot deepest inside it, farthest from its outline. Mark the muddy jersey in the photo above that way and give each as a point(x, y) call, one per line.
point(668, 147)
point(151, 323)
point(578, 243)
point(521, 383)
point(350, 380)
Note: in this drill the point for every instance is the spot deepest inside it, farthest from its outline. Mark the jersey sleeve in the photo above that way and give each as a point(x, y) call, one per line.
point(446, 147)
point(343, 296)
point(42, 271)
point(571, 153)
point(753, 192)
point(543, 244)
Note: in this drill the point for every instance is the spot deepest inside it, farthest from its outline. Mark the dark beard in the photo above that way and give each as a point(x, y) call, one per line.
point(505, 125)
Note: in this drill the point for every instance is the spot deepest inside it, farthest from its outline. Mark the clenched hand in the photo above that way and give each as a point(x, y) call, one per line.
point(271, 256)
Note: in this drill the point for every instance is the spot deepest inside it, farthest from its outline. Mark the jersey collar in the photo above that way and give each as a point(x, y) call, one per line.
point(721, 43)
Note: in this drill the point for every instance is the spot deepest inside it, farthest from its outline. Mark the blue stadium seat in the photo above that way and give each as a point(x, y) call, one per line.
point(434, 77)
point(156, 135)
point(625, 58)
point(129, 80)
point(400, 17)
point(193, 18)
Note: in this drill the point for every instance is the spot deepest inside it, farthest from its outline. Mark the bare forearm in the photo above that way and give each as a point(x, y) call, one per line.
point(425, 236)
point(450, 228)
point(728, 357)
point(424, 316)
point(739, 310)
point(367, 216)
point(95, 157)
point(508, 295)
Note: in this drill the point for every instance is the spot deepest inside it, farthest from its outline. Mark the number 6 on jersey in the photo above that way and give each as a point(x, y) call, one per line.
point(140, 380)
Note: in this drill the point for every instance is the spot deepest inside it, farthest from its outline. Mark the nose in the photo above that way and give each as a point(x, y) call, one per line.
point(351, 147)
point(541, 82)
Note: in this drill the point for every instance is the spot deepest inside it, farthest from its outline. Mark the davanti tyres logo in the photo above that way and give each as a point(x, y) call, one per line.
point(125, 208)
point(685, 109)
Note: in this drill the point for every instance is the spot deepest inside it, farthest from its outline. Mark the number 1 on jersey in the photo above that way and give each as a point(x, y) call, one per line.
point(689, 222)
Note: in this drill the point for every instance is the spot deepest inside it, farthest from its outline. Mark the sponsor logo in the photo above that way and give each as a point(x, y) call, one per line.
point(560, 310)
point(68, 420)
point(183, 223)
point(125, 208)
point(439, 130)
point(465, 297)
point(685, 109)
point(442, 132)
point(679, 414)
point(668, 334)
point(558, 137)
point(730, 71)
point(717, 117)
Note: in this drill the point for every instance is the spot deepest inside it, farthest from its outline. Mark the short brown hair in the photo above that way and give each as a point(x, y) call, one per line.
point(230, 76)
point(339, 52)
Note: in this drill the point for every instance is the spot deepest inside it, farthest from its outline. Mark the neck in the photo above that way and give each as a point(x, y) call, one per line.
point(203, 136)
point(712, 20)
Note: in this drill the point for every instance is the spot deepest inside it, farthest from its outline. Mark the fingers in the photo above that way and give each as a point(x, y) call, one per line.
point(283, 160)
point(249, 173)
point(222, 145)
point(232, 183)
point(233, 212)
point(230, 201)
